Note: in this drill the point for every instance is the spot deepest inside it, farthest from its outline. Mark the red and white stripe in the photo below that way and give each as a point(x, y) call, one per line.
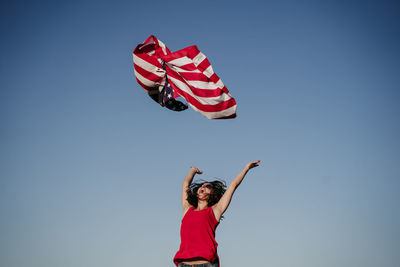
point(189, 73)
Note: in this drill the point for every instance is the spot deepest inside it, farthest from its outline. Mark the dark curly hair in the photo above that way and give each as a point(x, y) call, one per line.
point(218, 189)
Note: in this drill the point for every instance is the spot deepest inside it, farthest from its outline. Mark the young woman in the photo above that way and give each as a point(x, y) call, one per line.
point(203, 205)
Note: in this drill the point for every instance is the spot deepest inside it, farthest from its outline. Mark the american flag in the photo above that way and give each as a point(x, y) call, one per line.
point(188, 73)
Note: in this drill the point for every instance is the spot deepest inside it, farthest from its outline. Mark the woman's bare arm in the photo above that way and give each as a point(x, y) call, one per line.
point(225, 200)
point(185, 186)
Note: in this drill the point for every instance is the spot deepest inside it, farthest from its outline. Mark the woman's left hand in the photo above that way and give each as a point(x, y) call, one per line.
point(252, 164)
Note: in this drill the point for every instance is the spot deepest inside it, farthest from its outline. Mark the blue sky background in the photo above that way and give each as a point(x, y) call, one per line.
point(91, 167)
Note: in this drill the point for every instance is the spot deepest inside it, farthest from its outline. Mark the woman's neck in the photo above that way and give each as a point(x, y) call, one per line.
point(201, 205)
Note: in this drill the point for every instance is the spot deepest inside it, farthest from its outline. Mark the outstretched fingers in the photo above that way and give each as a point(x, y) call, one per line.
point(253, 164)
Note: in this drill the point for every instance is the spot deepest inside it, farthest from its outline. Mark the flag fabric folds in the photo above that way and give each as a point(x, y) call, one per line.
point(185, 73)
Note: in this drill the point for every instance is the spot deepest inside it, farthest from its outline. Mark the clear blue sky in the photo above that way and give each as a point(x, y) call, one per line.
point(91, 167)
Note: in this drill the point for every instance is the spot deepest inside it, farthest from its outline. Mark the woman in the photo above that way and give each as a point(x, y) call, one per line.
point(203, 205)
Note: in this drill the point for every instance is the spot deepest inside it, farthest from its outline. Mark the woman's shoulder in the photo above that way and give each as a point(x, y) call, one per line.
point(185, 211)
point(215, 214)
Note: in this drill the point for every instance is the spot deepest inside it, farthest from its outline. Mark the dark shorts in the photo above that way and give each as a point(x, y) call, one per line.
point(208, 264)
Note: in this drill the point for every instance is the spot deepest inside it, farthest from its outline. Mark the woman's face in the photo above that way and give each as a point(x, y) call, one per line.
point(204, 191)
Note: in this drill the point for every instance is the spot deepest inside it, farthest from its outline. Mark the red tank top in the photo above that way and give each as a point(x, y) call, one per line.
point(198, 236)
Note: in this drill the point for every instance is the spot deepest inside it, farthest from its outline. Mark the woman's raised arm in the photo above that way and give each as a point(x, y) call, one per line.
point(185, 186)
point(223, 203)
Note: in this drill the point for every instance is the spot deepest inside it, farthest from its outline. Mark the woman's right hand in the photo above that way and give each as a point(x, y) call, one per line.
point(196, 170)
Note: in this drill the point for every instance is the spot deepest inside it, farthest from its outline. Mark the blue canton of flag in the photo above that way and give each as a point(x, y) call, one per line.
point(168, 100)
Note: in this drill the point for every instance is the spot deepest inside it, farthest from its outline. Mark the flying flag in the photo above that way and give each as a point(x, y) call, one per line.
point(185, 73)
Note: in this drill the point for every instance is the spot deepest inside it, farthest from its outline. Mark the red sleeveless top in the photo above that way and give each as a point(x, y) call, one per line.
point(198, 236)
